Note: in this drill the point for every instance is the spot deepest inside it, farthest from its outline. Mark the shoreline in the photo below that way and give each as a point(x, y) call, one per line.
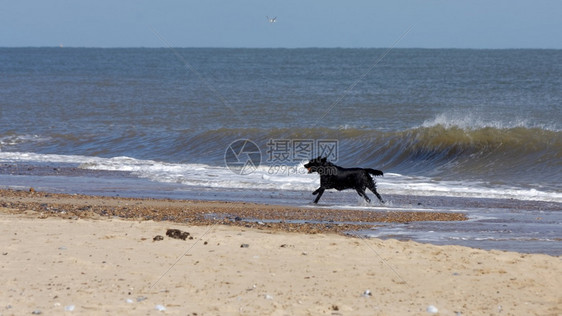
point(261, 216)
point(500, 224)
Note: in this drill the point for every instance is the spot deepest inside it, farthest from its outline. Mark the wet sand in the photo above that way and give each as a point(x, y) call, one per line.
point(261, 216)
point(93, 255)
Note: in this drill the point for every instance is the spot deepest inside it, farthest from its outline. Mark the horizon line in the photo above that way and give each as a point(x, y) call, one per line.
point(287, 48)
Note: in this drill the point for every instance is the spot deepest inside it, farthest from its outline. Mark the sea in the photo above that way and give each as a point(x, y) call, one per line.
point(454, 130)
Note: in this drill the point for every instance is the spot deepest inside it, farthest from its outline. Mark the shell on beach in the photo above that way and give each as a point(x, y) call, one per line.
point(432, 309)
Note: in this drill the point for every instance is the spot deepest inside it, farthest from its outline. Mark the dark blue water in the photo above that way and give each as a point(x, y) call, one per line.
point(479, 113)
point(466, 124)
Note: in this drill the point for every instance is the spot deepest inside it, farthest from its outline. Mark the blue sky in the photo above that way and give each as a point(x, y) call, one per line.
point(315, 23)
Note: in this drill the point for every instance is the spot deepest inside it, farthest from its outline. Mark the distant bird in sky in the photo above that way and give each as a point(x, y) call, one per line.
point(271, 20)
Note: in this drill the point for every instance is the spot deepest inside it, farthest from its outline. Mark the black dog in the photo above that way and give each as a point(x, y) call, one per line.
point(335, 177)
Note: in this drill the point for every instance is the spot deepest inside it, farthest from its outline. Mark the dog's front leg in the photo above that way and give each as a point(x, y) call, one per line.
point(319, 191)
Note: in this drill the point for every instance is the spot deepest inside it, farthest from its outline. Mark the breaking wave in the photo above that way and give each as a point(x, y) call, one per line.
point(516, 155)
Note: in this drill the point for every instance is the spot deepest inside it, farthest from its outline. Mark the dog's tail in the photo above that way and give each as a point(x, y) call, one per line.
point(374, 172)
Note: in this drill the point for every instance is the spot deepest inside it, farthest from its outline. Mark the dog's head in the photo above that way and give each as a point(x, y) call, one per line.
point(314, 165)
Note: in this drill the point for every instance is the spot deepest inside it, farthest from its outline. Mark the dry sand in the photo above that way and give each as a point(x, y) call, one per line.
point(107, 265)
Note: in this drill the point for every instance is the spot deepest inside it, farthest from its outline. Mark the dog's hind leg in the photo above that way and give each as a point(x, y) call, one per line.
point(373, 189)
point(361, 192)
point(318, 191)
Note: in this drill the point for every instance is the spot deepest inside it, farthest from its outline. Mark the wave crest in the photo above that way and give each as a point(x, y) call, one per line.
point(474, 122)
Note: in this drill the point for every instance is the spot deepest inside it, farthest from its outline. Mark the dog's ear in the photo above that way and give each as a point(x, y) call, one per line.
point(318, 158)
point(324, 159)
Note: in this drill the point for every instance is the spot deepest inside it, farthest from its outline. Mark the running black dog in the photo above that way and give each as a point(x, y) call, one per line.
point(335, 177)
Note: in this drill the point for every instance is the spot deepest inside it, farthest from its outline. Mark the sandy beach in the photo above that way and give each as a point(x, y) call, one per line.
point(92, 255)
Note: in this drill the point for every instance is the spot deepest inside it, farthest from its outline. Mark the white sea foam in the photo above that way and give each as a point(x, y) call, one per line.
point(269, 178)
point(10, 140)
point(471, 121)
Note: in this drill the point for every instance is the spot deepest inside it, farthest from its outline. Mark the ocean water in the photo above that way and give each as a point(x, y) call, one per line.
point(468, 127)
